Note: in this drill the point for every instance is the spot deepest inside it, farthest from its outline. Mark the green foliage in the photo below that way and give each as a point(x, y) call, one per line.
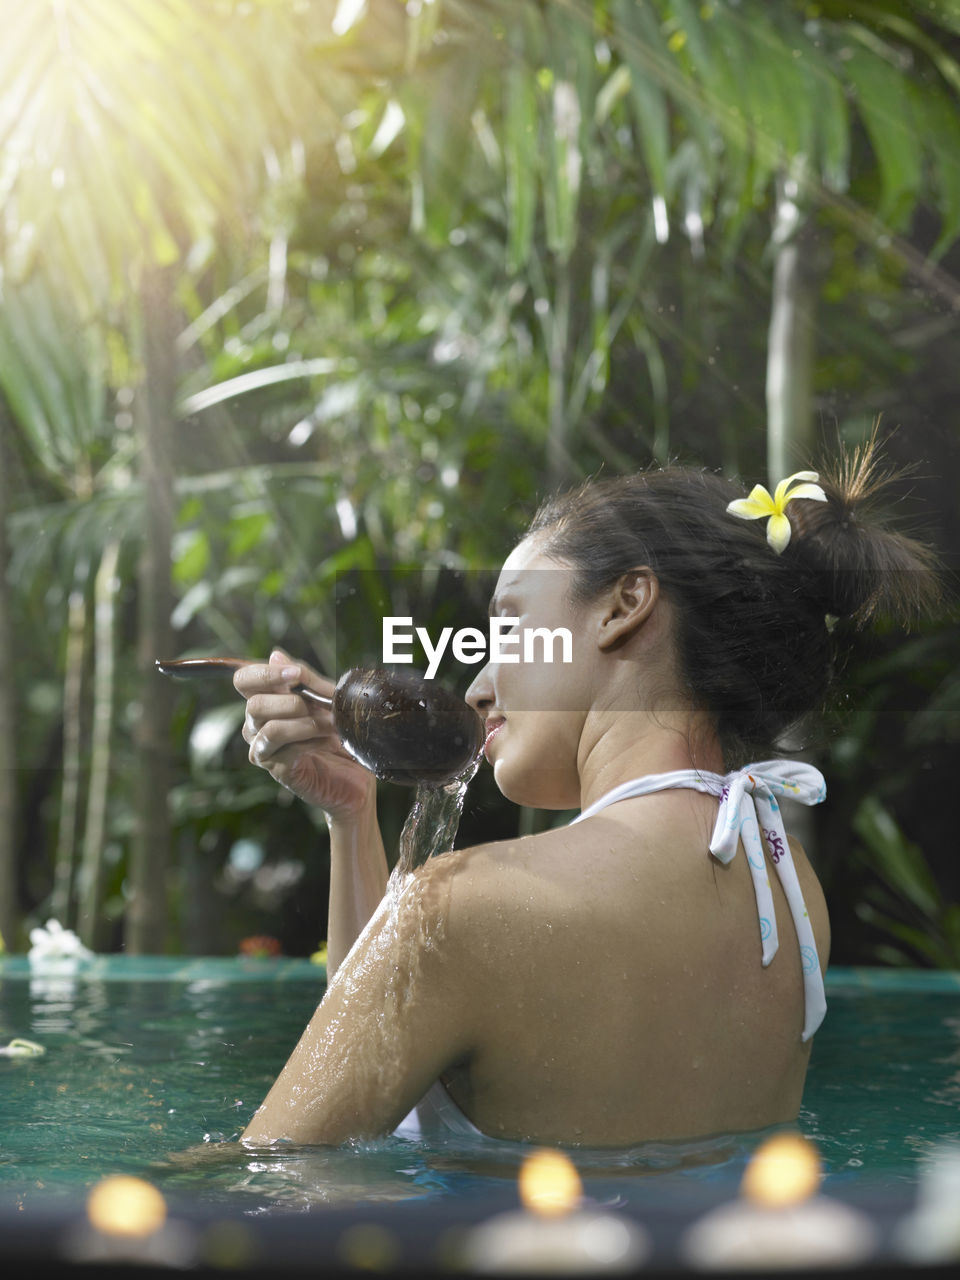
point(740, 91)
point(54, 380)
point(890, 761)
point(421, 258)
point(908, 906)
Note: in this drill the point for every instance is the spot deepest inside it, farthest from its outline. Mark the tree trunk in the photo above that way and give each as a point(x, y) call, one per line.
point(202, 917)
point(790, 345)
point(91, 873)
point(150, 857)
point(790, 421)
point(62, 906)
point(9, 907)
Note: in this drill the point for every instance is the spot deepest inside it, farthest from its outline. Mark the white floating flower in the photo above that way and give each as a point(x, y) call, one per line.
point(51, 945)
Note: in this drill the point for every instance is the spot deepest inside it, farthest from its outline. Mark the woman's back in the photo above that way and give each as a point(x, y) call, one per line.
point(617, 986)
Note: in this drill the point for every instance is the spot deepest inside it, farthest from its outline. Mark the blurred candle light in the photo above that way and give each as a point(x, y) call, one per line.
point(549, 1184)
point(126, 1221)
point(931, 1233)
point(780, 1221)
point(553, 1232)
point(123, 1206)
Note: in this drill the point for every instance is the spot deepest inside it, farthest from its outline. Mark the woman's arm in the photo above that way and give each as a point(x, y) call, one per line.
point(296, 742)
point(396, 1016)
point(358, 880)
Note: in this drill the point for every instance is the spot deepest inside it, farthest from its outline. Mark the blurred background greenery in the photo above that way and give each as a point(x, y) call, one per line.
point(292, 288)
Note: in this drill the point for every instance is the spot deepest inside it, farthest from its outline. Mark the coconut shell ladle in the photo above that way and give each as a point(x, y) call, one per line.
point(398, 725)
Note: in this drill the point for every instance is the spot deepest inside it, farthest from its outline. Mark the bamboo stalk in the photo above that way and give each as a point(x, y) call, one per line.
point(559, 464)
point(62, 905)
point(90, 881)
point(789, 387)
point(790, 342)
point(9, 913)
point(146, 922)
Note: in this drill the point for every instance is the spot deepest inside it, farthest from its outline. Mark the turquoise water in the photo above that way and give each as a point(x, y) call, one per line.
point(153, 1065)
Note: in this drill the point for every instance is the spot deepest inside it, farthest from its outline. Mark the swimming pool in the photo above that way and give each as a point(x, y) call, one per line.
point(152, 1065)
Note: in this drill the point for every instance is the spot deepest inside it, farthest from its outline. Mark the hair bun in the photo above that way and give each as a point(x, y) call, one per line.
point(860, 565)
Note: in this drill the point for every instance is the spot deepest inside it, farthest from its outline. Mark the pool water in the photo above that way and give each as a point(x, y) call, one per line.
point(153, 1065)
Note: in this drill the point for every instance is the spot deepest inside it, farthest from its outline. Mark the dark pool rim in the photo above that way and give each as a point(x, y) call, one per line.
point(424, 1238)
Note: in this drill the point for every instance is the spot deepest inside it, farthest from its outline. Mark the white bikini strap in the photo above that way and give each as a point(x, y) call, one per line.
point(746, 794)
point(742, 795)
point(693, 779)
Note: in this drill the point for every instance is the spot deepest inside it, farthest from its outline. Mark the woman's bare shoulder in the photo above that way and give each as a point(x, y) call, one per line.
point(480, 889)
point(478, 864)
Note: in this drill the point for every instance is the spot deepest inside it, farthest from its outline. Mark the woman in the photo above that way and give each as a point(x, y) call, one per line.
point(612, 981)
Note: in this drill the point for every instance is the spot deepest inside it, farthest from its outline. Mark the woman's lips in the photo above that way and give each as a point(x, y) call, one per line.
point(492, 731)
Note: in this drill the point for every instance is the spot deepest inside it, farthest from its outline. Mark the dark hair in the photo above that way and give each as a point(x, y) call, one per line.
point(755, 630)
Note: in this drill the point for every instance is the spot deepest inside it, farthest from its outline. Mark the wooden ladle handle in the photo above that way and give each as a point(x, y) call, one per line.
point(204, 668)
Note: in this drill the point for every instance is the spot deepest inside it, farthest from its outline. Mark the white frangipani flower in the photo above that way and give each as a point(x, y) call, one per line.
point(761, 504)
point(51, 942)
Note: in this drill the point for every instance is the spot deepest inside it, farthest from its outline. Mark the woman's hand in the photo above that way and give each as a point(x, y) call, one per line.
point(295, 740)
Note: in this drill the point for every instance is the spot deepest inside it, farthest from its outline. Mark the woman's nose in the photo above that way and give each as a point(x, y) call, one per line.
point(480, 694)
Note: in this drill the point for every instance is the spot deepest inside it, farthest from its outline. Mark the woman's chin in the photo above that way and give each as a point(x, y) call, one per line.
point(539, 787)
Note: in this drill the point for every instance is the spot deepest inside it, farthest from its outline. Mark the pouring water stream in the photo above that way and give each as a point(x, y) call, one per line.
point(431, 825)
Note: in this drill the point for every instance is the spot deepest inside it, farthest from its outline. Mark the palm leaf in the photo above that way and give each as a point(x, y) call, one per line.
point(521, 153)
point(790, 85)
point(939, 130)
point(642, 47)
point(833, 133)
point(160, 95)
point(899, 862)
point(53, 382)
point(885, 104)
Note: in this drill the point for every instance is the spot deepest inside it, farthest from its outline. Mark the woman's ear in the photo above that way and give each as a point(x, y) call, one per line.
point(629, 604)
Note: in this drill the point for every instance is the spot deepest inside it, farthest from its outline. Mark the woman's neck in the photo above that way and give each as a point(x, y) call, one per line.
point(634, 744)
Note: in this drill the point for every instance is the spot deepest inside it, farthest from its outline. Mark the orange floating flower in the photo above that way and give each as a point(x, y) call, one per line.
point(260, 944)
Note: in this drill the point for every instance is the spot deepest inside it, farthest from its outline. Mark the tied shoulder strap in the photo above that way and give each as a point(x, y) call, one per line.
point(748, 805)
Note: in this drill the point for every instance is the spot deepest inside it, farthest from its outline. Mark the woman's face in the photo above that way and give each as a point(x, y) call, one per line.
point(534, 709)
